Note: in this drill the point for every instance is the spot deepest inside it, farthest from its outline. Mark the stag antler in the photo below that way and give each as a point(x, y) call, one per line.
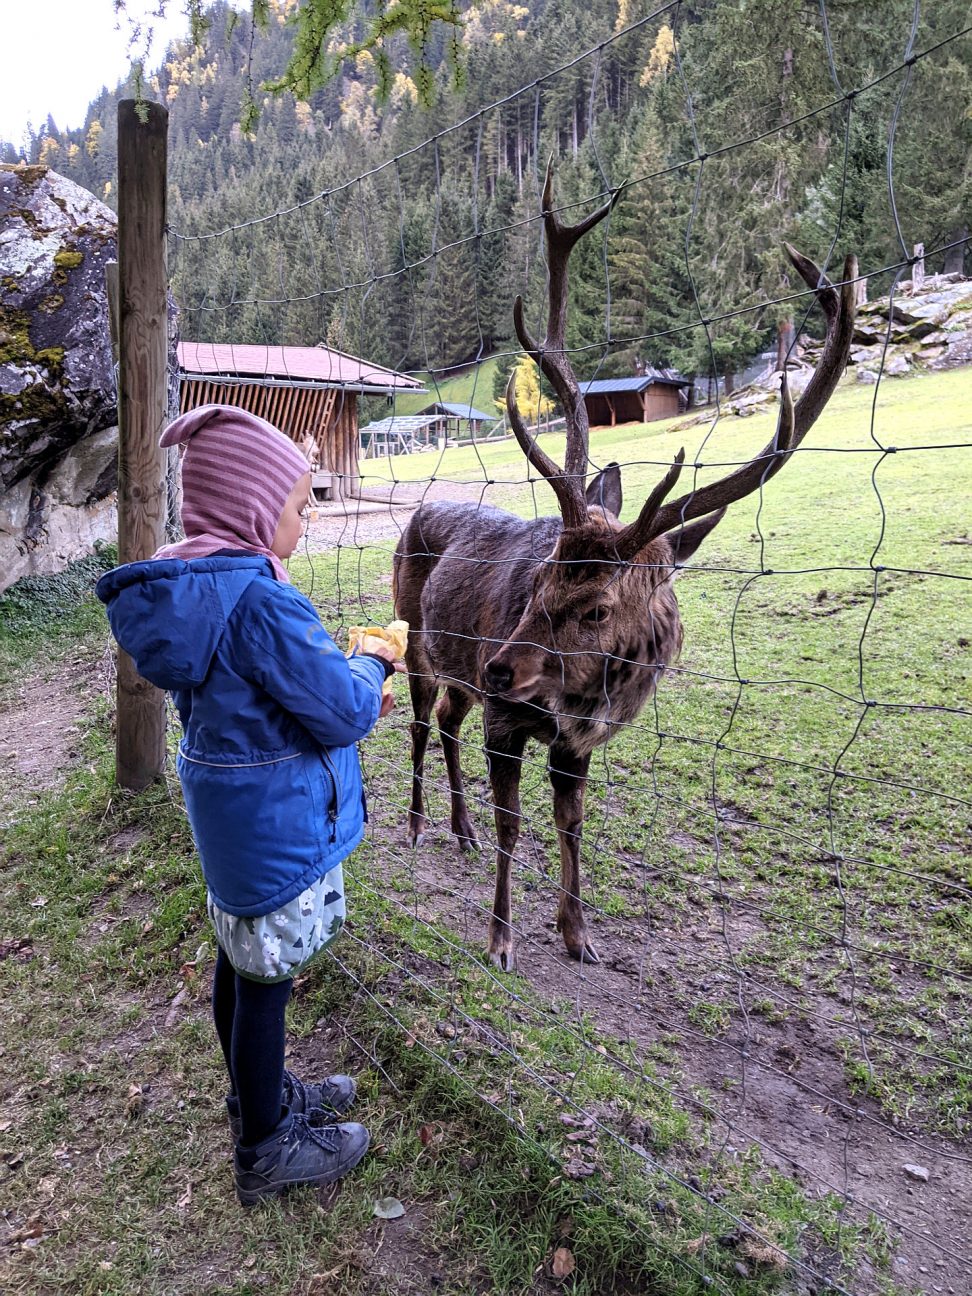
point(551, 356)
point(794, 422)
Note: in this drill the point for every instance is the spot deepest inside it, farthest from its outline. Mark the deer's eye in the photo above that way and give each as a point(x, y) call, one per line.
point(596, 615)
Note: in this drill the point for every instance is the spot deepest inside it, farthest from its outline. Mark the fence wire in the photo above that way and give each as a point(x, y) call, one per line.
point(746, 879)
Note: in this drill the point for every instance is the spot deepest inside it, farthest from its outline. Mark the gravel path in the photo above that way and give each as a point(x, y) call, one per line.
point(383, 513)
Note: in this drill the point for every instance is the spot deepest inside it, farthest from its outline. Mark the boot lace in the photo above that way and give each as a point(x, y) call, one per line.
point(327, 1137)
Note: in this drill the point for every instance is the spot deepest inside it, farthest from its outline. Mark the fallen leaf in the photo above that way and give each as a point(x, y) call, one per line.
point(136, 1102)
point(579, 1169)
point(582, 1136)
point(186, 1198)
point(563, 1263)
point(389, 1208)
point(39, 902)
point(694, 1245)
point(33, 1229)
point(14, 1159)
point(21, 948)
point(172, 1016)
point(426, 1134)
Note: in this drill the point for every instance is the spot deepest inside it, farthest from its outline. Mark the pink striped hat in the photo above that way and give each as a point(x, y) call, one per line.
point(237, 472)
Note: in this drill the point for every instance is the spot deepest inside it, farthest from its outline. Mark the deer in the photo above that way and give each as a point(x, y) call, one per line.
point(561, 627)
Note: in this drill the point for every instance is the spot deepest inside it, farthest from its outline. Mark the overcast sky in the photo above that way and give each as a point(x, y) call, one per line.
point(57, 55)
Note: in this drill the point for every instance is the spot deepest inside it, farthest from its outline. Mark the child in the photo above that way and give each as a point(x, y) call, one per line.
point(271, 711)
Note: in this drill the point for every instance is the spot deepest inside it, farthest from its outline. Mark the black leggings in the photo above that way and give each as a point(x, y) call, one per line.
point(249, 1020)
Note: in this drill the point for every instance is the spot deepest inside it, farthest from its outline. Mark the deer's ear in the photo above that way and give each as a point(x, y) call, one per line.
point(685, 540)
point(605, 489)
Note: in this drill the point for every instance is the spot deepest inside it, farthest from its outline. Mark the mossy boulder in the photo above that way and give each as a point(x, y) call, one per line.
point(57, 385)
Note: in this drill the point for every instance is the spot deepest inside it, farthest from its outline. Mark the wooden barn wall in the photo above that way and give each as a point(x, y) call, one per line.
point(660, 401)
point(327, 414)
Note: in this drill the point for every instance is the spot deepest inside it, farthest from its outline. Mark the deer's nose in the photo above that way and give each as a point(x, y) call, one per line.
point(498, 677)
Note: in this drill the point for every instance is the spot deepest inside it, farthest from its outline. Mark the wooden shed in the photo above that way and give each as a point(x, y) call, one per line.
point(311, 393)
point(458, 422)
point(655, 394)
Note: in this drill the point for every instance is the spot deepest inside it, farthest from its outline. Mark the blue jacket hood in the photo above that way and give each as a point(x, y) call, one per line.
point(169, 615)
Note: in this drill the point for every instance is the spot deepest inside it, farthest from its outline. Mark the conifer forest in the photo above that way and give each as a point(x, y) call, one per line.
point(414, 255)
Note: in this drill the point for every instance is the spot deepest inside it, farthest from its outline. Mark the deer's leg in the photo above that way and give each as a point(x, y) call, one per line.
point(451, 709)
point(568, 778)
point(423, 689)
point(504, 756)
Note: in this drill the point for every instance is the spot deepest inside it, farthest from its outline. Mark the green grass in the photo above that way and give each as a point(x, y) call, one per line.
point(116, 1153)
point(43, 616)
point(473, 386)
point(790, 635)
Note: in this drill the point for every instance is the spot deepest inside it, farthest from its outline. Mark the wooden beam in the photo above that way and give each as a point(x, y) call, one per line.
point(142, 408)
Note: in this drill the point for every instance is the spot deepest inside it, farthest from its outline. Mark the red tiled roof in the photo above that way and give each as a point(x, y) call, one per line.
point(303, 364)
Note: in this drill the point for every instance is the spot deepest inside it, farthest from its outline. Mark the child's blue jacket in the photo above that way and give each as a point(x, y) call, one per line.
point(270, 709)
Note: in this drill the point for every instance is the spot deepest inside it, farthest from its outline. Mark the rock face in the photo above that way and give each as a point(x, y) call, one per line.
point(928, 329)
point(58, 433)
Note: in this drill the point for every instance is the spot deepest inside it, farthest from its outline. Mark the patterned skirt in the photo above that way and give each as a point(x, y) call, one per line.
point(279, 945)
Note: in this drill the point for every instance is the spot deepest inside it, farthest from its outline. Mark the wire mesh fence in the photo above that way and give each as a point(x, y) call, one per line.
point(774, 841)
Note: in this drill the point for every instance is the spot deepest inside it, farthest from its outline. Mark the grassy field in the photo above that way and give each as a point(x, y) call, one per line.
point(828, 655)
point(473, 386)
point(779, 848)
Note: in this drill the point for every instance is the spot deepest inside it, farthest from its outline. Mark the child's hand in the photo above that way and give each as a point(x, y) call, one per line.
point(387, 703)
point(385, 651)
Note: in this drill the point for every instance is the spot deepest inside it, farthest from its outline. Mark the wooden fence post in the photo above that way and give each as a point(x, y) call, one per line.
point(142, 409)
point(918, 268)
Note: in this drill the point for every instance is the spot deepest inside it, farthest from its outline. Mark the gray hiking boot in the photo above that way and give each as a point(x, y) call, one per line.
point(299, 1151)
point(333, 1097)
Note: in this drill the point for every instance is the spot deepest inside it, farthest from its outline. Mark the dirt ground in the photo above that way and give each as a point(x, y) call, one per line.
point(781, 1087)
point(39, 721)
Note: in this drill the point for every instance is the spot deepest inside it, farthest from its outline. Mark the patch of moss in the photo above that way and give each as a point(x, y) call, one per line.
point(68, 260)
point(30, 174)
point(29, 218)
point(16, 347)
point(50, 304)
point(36, 402)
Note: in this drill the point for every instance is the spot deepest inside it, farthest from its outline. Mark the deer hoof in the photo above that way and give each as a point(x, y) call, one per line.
point(502, 959)
point(415, 839)
point(468, 845)
point(582, 950)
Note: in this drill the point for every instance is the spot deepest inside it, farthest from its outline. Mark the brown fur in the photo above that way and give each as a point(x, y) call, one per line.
point(486, 593)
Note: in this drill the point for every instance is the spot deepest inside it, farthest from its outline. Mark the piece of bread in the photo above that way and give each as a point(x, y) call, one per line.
point(369, 638)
